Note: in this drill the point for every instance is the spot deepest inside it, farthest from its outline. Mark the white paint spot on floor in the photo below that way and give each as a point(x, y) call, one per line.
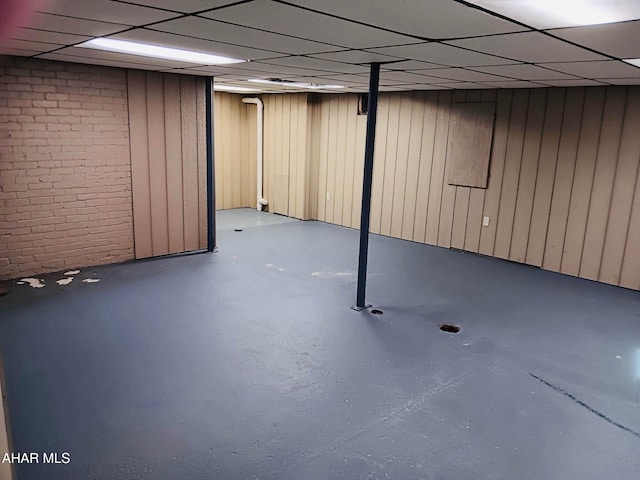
point(269, 265)
point(64, 281)
point(33, 282)
point(72, 272)
point(618, 356)
point(332, 274)
point(90, 280)
point(281, 269)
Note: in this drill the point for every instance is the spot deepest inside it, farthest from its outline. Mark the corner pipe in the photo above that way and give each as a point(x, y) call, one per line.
point(261, 202)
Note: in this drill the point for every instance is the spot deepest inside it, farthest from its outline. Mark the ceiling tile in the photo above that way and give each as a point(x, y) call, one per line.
point(318, 64)
point(463, 85)
point(97, 61)
point(106, 11)
point(276, 70)
point(528, 47)
point(248, 37)
point(49, 37)
point(189, 6)
point(348, 79)
point(397, 78)
point(426, 19)
point(78, 26)
point(539, 15)
point(197, 44)
point(622, 81)
point(288, 20)
point(578, 82)
point(89, 53)
point(460, 74)
point(410, 65)
point(515, 84)
point(185, 71)
point(602, 69)
point(355, 56)
point(620, 40)
point(524, 72)
point(38, 47)
point(443, 55)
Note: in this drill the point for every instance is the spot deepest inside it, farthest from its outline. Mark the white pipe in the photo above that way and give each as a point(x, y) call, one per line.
point(261, 202)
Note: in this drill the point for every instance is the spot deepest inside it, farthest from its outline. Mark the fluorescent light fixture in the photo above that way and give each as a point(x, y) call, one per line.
point(632, 61)
point(564, 13)
point(155, 51)
point(288, 83)
point(577, 12)
point(233, 88)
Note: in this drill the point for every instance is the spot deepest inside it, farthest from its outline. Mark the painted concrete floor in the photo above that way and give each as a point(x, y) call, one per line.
point(249, 364)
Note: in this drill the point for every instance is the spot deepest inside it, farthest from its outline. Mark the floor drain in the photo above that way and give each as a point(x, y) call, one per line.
point(377, 312)
point(447, 327)
point(237, 229)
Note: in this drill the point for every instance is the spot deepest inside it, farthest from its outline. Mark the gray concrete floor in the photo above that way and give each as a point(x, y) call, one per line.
point(249, 364)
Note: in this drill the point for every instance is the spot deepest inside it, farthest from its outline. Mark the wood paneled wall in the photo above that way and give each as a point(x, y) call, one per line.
point(286, 154)
point(563, 189)
point(235, 140)
point(168, 162)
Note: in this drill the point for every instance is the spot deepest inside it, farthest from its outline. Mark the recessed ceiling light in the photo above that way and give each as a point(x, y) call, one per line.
point(233, 88)
point(633, 61)
point(289, 83)
point(156, 51)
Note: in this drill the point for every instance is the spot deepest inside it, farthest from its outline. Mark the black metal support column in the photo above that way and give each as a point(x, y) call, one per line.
point(365, 214)
point(211, 202)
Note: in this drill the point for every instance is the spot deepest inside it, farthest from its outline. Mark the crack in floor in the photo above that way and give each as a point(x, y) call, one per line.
point(582, 404)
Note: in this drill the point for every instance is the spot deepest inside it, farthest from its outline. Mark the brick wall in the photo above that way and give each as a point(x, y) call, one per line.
point(65, 176)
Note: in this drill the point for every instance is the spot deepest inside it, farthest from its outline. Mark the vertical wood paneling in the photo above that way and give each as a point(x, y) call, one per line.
point(511, 173)
point(448, 192)
point(391, 161)
point(496, 171)
point(157, 164)
point(402, 155)
point(546, 173)
point(168, 162)
point(410, 191)
point(323, 158)
point(201, 132)
point(623, 193)
point(462, 194)
point(605, 170)
point(189, 163)
point(361, 130)
point(528, 175)
point(380, 148)
point(476, 200)
point(139, 138)
point(582, 181)
point(174, 162)
point(426, 165)
point(552, 172)
point(436, 178)
point(340, 159)
point(350, 160)
point(630, 274)
point(563, 178)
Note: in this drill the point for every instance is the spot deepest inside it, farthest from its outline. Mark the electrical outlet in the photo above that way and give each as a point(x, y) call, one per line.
point(485, 221)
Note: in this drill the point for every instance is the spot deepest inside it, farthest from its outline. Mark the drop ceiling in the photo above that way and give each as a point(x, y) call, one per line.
point(440, 44)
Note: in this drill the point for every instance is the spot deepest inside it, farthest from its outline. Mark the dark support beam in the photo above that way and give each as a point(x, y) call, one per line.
point(365, 214)
point(211, 202)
